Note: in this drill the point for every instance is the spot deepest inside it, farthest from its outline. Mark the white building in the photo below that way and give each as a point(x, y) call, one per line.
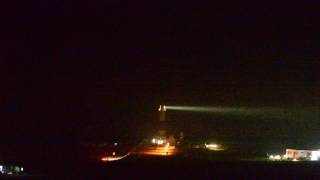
point(313, 155)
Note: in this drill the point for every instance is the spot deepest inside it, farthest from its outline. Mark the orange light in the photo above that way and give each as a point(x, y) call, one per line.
point(104, 159)
point(113, 158)
point(165, 150)
point(167, 145)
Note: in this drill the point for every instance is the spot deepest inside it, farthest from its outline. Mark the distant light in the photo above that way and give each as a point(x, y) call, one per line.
point(1, 168)
point(162, 108)
point(277, 157)
point(21, 169)
point(115, 144)
point(105, 159)
point(211, 145)
point(113, 153)
point(165, 150)
point(160, 141)
point(112, 158)
point(315, 155)
point(295, 160)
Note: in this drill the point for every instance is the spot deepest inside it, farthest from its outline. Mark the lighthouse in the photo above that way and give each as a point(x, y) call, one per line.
point(162, 117)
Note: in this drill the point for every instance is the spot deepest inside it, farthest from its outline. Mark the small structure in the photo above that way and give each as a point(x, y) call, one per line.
point(10, 169)
point(313, 155)
point(298, 154)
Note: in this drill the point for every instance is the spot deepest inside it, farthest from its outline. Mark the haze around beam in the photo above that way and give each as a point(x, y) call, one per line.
point(261, 111)
point(223, 109)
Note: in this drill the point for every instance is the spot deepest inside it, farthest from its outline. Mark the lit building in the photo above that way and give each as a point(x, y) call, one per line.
point(10, 170)
point(315, 155)
point(298, 154)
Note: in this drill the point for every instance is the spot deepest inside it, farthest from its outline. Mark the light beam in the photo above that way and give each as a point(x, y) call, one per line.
point(250, 111)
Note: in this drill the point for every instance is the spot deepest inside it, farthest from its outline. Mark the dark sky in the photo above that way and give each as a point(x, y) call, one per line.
point(84, 71)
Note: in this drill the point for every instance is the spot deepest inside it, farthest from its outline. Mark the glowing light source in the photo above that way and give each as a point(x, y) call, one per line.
point(165, 150)
point(113, 158)
point(275, 157)
point(285, 156)
point(160, 141)
point(162, 108)
point(315, 155)
point(213, 147)
point(167, 145)
point(157, 141)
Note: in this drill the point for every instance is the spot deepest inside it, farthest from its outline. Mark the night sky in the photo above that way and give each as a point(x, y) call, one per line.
point(96, 71)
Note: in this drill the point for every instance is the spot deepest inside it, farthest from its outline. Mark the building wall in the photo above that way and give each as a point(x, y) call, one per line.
point(298, 154)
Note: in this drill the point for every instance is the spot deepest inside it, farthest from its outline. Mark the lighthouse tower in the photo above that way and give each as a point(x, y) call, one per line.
point(162, 114)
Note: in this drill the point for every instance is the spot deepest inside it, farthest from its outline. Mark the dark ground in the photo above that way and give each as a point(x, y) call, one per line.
point(177, 168)
point(191, 164)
